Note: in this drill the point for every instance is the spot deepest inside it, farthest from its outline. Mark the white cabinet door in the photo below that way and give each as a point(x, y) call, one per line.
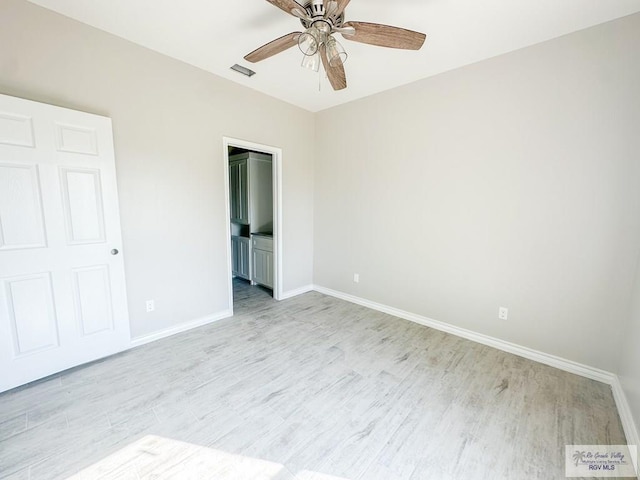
point(239, 194)
point(262, 268)
point(62, 285)
point(245, 258)
point(234, 200)
point(240, 248)
point(235, 255)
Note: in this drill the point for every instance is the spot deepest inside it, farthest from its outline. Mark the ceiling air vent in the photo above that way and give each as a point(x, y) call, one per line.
point(243, 70)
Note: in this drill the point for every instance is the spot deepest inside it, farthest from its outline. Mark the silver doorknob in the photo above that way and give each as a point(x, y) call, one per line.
point(114, 251)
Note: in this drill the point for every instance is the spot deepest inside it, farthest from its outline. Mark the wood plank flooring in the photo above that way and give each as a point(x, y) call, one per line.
point(311, 388)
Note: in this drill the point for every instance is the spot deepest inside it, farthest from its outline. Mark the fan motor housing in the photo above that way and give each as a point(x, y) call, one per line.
point(315, 10)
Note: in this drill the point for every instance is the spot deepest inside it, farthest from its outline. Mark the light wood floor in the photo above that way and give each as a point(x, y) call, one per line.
point(308, 388)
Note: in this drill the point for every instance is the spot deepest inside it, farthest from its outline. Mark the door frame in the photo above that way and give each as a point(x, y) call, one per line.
point(276, 165)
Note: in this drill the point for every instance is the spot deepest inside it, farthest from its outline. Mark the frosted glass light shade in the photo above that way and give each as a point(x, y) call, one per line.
point(312, 62)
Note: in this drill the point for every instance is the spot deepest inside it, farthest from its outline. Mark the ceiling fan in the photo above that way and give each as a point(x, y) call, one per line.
point(321, 20)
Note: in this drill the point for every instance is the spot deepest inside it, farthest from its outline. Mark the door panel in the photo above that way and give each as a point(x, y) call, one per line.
point(84, 214)
point(76, 139)
point(62, 294)
point(31, 313)
point(16, 130)
point(92, 297)
point(20, 207)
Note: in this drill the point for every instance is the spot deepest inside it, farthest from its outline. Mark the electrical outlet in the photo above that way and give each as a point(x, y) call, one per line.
point(503, 313)
point(356, 278)
point(151, 305)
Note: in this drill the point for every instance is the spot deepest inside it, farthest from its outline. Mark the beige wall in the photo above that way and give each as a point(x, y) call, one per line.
point(169, 120)
point(512, 182)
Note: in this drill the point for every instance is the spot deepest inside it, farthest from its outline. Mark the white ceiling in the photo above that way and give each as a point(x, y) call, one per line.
point(213, 35)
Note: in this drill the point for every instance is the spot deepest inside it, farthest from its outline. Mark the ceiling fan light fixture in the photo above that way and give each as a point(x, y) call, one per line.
point(336, 53)
point(321, 20)
point(309, 42)
point(312, 62)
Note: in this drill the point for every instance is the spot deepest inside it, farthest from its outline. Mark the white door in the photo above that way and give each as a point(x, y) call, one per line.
point(62, 288)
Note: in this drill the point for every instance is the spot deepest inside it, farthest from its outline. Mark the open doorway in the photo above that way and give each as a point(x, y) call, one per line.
point(253, 193)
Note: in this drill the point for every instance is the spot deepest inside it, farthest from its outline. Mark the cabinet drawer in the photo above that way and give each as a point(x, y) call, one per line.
point(262, 243)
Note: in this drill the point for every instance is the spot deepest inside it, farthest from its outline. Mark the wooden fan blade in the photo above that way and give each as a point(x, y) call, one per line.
point(342, 4)
point(336, 74)
point(385, 36)
point(273, 48)
point(330, 8)
point(287, 5)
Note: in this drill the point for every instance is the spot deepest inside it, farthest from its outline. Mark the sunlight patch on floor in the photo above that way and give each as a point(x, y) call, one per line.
point(155, 458)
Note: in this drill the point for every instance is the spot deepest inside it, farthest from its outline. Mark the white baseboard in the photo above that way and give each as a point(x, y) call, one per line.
point(541, 357)
point(296, 292)
point(624, 410)
point(183, 327)
point(570, 366)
